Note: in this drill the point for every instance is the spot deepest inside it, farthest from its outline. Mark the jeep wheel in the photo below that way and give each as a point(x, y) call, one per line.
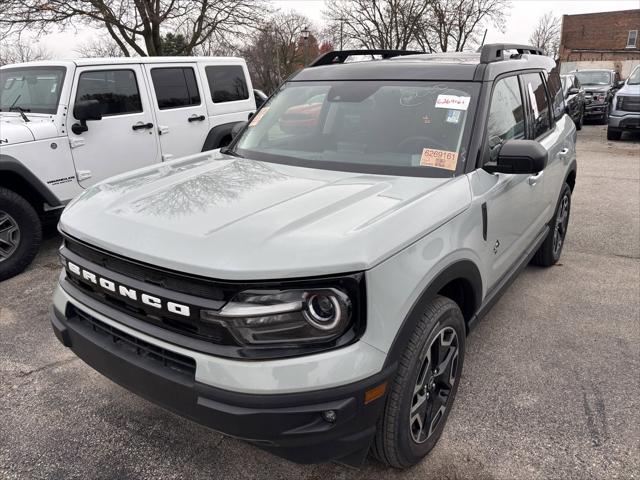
point(580, 120)
point(20, 233)
point(425, 385)
point(613, 134)
point(551, 249)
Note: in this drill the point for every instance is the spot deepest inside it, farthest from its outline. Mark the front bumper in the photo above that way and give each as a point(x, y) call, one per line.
point(290, 425)
point(594, 109)
point(628, 121)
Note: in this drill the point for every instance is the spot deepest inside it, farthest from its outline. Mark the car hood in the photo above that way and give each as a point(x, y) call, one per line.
point(15, 130)
point(239, 219)
point(629, 90)
point(597, 88)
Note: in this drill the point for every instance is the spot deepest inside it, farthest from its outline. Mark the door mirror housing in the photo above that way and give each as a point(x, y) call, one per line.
point(84, 111)
point(620, 84)
point(519, 156)
point(573, 91)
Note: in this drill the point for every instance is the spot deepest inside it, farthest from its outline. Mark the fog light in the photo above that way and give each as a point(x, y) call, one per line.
point(329, 416)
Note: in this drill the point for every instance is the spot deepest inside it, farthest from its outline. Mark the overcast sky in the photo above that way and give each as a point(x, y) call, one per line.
point(521, 20)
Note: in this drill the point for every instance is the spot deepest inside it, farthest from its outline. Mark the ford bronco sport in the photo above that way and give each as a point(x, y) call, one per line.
point(310, 288)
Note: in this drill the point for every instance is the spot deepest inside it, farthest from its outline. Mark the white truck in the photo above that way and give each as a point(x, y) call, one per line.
point(65, 125)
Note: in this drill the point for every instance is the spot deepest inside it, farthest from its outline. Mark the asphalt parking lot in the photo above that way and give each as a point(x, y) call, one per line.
point(550, 388)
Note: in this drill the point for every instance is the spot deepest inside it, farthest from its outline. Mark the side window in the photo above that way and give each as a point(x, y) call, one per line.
point(534, 88)
point(555, 92)
point(506, 115)
point(116, 91)
point(227, 83)
point(175, 87)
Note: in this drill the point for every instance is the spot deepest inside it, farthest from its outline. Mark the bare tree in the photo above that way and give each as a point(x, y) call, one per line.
point(383, 24)
point(453, 25)
point(136, 25)
point(100, 47)
point(547, 34)
point(21, 49)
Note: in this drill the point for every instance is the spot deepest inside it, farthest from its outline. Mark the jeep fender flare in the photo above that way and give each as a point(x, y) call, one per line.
point(465, 270)
point(216, 134)
point(11, 164)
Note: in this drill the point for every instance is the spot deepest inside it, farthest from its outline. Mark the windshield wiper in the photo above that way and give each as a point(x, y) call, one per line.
point(19, 109)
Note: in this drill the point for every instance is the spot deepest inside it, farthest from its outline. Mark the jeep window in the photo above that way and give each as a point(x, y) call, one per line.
point(634, 78)
point(227, 83)
point(556, 93)
point(594, 78)
point(534, 88)
point(33, 89)
point(115, 90)
point(175, 87)
point(399, 128)
point(506, 115)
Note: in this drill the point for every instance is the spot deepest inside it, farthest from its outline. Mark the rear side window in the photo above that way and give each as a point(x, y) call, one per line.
point(116, 91)
point(175, 87)
point(227, 83)
point(555, 92)
point(506, 115)
point(540, 118)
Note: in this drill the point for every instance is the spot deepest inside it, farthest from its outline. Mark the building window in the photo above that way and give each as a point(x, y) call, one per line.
point(632, 39)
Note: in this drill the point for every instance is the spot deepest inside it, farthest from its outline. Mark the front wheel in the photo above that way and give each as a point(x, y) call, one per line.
point(613, 134)
point(580, 120)
point(605, 115)
point(551, 249)
point(20, 233)
point(424, 387)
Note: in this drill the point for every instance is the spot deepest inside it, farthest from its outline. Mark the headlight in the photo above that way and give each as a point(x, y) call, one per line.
point(296, 316)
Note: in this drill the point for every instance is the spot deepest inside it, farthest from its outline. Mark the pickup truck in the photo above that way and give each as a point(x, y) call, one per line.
point(66, 125)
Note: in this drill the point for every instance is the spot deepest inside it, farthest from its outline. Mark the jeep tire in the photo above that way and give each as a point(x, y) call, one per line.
point(20, 233)
point(551, 249)
point(424, 387)
point(613, 134)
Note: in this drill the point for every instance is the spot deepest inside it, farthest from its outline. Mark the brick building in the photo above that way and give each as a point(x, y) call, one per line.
point(601, 40)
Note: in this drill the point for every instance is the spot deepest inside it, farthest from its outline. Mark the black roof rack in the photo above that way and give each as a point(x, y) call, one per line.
point(340, 56)
point(494, 52)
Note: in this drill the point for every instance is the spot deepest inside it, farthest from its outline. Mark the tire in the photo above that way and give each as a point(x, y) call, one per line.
point(605, 116)
point(20, 233)
point(580, 121)
point(613, 134)
point(399, 439)
point(550, 250)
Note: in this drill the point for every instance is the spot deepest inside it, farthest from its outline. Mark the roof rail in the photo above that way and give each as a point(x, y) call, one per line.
point(340, 56)
point(494, 52)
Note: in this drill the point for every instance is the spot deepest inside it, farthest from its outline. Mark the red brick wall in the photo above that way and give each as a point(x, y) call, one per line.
point(598, 31)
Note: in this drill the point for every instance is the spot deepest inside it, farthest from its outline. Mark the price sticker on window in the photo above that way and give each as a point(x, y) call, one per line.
point(439, 159)
point(258, 116)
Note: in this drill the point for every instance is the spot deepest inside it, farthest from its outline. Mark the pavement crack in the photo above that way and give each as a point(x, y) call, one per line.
point(47, 366)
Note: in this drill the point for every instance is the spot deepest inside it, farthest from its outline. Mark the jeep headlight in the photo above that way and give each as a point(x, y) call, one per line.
point(291, 316)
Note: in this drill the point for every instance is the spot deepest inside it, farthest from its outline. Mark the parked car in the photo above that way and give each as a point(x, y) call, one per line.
point(64, 126)
point(574, 98)
point(625, 115)
point(312, 292)
point(600, 87)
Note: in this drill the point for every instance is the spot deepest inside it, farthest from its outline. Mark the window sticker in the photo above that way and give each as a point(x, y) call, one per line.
point(453, 101)
point(453, 116)
point(439, 159)
point(534, 103)
point(258, 116)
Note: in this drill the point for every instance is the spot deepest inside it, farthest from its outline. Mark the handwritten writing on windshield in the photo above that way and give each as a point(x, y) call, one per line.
point(453, 102)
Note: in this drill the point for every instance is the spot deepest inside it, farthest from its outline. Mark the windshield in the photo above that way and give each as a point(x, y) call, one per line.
point(594, 78)
point(634, 78)
point(32, 89)
point(399, 128)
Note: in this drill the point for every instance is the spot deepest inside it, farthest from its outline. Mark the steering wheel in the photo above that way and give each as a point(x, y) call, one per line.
point(415, 143)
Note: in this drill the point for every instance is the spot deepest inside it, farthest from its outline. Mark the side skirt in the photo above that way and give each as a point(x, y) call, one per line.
point(507, 279)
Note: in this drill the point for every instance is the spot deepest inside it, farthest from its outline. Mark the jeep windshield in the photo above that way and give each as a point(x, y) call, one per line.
point(594, 78)
point(31, 89)
point(397, 128)
point(634, 78)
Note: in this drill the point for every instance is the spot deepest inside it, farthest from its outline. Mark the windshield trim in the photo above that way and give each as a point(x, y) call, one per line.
point(47, 111)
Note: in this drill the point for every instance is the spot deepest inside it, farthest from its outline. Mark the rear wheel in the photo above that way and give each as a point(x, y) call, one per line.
point(20, 233)
point(424, 388)
point(551, 249)
point(613, 134)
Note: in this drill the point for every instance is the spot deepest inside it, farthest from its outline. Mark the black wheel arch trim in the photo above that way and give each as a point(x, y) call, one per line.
point(11, 164)
point(458, 270)
point(216, 134)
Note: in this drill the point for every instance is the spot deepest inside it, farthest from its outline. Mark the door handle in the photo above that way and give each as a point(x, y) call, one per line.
point(533, 179)
point(196, 118)
point(142, 126)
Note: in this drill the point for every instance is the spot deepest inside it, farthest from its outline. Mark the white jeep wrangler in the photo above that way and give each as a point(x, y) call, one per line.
point(66, 125)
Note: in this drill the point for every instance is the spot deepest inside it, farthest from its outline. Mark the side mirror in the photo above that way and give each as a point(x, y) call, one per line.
point(520, 156)
point(620, 84)
point(84, 111)
point(573, 91)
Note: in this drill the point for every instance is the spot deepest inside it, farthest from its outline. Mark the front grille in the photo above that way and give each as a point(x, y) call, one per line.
point(629, 104)
point(132, 345)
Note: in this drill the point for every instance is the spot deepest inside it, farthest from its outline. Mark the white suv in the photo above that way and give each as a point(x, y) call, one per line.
point(66, 125)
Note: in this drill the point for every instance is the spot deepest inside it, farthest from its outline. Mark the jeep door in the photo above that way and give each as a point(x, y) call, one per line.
point(180, 109)
point(124, 139)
